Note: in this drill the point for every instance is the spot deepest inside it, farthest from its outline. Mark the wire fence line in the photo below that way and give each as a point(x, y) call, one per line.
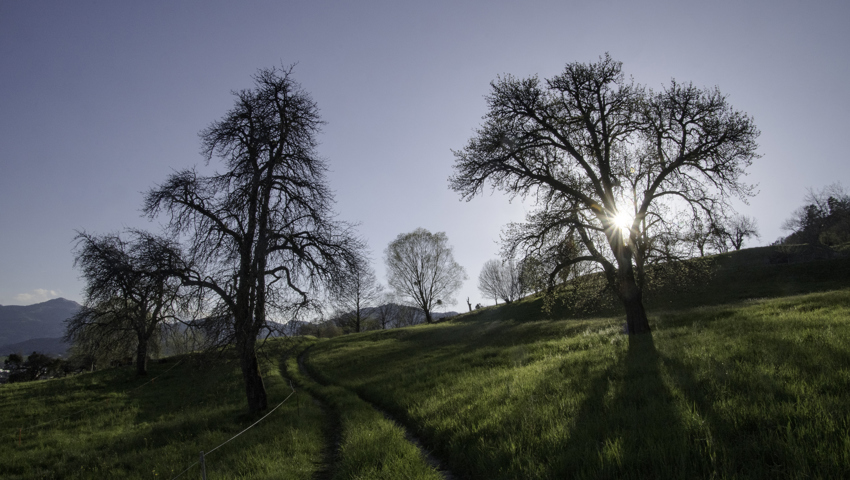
point(150, 381)
point(204, 454)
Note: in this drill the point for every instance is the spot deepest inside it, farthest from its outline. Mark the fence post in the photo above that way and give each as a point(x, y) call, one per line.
point(203, 467)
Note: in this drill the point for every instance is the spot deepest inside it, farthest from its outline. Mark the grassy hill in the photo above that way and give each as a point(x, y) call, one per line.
point(744, 376)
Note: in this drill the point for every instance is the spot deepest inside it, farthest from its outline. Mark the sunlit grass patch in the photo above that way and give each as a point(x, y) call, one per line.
point(754, 389)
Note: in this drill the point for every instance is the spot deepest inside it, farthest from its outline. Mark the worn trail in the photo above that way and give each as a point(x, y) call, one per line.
point(332, 431)
point(433, 461)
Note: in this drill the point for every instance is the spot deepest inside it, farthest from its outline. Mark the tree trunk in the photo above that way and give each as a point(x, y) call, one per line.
point(632, 297)
point(142, 356)
point(428, 318)
point(255, 389)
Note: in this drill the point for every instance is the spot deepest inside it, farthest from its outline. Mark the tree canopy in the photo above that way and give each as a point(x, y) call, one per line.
point(616, 170)
point(131, 290)
point(421, 269)
point(262, 235)
point(501, 279)
point(824, 219)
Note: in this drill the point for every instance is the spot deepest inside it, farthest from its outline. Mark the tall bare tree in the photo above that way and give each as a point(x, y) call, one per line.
point(422, 270)
point(262, 234)
point(615, 168)
point(131, 290)
point(354, 294)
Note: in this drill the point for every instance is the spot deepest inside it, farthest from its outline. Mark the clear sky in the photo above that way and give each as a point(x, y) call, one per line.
point(101, 100)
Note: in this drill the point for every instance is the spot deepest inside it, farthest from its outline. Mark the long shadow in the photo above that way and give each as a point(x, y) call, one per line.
point(628, 425)
point(747, 441)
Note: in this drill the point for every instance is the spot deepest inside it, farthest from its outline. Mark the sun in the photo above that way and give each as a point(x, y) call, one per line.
point(623, 220)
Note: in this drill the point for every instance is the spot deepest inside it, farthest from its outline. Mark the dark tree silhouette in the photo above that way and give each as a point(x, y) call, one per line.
point(131, 290)
point(734, 231)
point(351, 296)
point(262, 234)
point(615, 168)
point(824, 219)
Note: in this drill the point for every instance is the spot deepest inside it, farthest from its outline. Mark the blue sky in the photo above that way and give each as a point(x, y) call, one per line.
point(100, 100)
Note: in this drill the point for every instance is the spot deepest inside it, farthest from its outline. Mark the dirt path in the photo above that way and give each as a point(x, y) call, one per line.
point(408, 435)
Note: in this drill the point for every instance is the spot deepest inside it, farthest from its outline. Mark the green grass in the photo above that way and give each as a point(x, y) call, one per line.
point(744, 376)
point(370, 446)
point(747, 390)
point(159, 429)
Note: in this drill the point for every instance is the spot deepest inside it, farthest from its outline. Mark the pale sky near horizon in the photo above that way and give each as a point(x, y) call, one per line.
point(101, 100)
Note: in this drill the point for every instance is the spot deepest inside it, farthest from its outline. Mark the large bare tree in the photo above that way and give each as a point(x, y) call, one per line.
point(615, 169)
point(131, 291)
point(262, 235)
point(421, 269)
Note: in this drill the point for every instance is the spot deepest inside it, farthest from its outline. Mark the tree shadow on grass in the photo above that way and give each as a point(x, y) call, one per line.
point(629, 425)
point(758, 426)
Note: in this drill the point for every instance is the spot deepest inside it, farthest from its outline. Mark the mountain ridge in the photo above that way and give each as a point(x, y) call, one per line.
point(20, 323)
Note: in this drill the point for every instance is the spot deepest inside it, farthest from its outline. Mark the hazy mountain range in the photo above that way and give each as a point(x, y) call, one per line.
point(39, 327)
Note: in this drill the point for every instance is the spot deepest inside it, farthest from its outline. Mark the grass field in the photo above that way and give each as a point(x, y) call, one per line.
point(745, 376)
point(749, 390)
point(111, 424)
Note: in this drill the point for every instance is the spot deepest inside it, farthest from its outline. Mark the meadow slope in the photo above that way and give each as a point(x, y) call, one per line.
point(744, 376)
point(755, 389)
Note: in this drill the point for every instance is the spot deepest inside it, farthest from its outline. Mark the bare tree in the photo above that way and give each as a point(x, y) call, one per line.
point(500, 279)
point(354, 294)
point(262, 235)
point(733, 232)
point(616, 169)
point(422, 270)
point(386, 312)
point(131, 290)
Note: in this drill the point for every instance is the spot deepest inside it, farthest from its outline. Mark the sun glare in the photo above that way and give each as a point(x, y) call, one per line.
point(624, 220)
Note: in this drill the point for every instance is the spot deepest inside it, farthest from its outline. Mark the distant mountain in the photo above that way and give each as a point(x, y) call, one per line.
point(42, 320)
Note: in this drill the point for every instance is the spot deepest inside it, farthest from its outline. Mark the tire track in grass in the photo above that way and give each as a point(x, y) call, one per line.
point(429, 457)
point(333, 430)
point(425, 454)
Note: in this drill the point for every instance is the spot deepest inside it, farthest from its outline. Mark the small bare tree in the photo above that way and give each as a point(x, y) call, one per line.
point(387, 311)
point(354, 294)
point(131, 291)
point(500, 279)
point(732, 233)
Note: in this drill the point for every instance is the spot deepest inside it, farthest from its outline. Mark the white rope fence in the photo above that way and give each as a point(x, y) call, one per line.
point(203, 454)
